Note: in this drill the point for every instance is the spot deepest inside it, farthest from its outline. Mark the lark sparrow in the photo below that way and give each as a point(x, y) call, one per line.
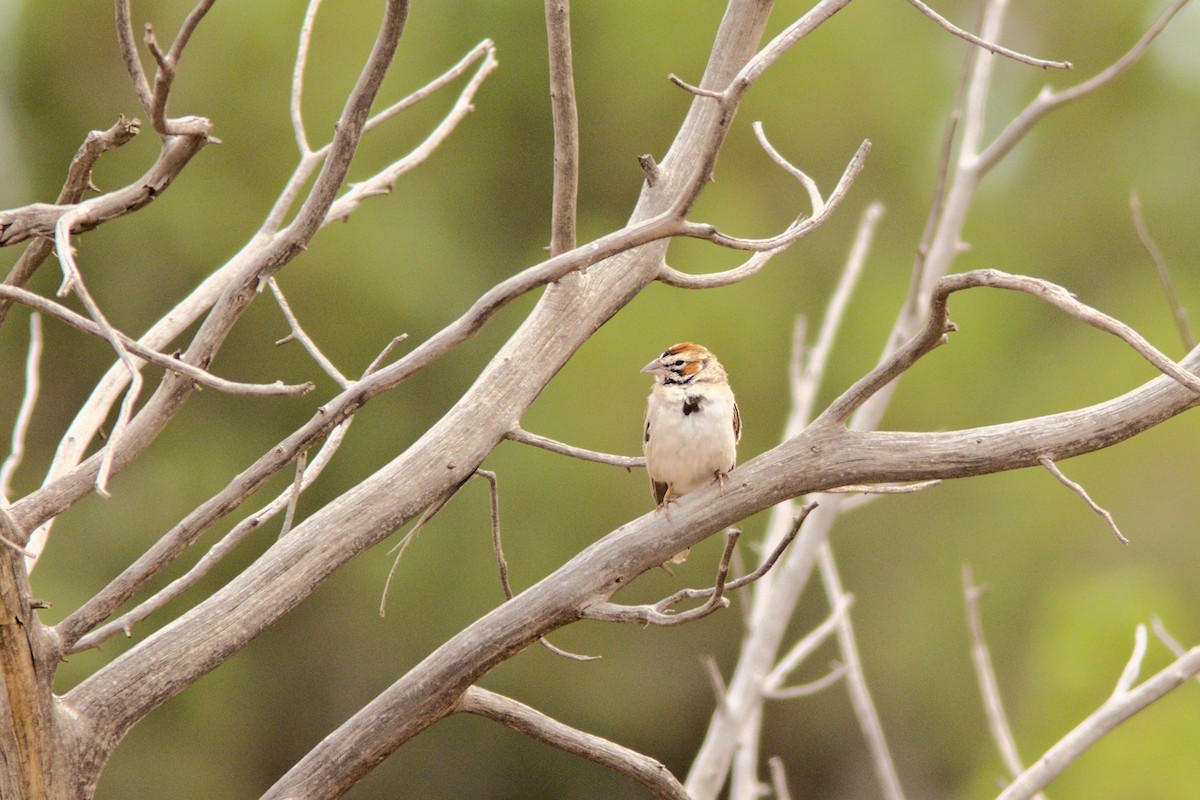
point(692, 424)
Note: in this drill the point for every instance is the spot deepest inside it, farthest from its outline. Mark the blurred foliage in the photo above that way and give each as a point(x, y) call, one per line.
point(1064, 596)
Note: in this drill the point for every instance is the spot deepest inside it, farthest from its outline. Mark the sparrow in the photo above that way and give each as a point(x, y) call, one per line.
point(692, 424)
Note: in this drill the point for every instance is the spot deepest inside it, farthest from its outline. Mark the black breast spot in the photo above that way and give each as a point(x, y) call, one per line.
point(691, 405)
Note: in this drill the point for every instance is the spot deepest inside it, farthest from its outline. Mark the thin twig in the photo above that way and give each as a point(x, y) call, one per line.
point(1133, 667)
point(807, 381)
point(33, 361)
point(810, 186)
point(502, 562)
point(991, 47)
point(989, 687)
point(1049, 100)
point(171, 363)
point(1164, 274)
point(305, 340)
point(1164, 636)
point(1049, 464)
point(660, 613)
point(714, 678)
point(399, 549)
point(566, 126)
point(129, 54)
point(73, 281)
point(655, 615)
point(835, 674)
point(302, 49)
point(648, 772)
point(383, 181)
point(801, 227)
point(762, 569)
point(294, 497)
point(519, 434)
point(808, 645)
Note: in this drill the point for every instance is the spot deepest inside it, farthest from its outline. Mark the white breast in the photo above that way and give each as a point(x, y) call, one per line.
point(688, 450)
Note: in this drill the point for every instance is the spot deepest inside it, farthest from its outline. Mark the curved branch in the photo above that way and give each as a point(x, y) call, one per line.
point(40, 219)
point(642, 769)
point(519, 434)
point(938, 327)
point(797, 229)
point(991, 47)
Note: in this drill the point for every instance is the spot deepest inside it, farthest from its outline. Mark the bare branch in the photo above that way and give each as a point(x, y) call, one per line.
point(836, 673)
point(991, 47)
point(745, 580)
point(1049, 100)
point(639, 768)
point(129, 54)
point(939, 326)
point(73, 281)
point(658, 613)
point(40, 220)
point(798, 229)
point(856, 681)
point(302, 48)
point(85, 618)
point(382, 182)
point(1118, 708)
point(16, 453)
point(1049, 464)
point(566, 126)
point(778, 779)
point(806, 382)
point(164, 77)
point(989, 687)
point(1133, 667)
point(1164, 274)
point(804, 648)
point(523, 436)
point(172, 363)
point(294, 495)
point(78, 180)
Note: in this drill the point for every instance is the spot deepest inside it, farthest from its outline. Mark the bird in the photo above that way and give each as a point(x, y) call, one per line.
point(692, 425)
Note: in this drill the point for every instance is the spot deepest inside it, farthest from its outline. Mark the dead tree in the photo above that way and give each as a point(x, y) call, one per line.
point(56, 746)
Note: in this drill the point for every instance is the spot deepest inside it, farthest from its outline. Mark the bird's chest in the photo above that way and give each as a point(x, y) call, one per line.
point(690, 436)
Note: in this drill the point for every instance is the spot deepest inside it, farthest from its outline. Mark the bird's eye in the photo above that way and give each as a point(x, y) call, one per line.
point(678, 363)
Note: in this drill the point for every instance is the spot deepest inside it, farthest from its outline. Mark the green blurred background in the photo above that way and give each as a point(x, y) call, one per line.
point(1065, 597)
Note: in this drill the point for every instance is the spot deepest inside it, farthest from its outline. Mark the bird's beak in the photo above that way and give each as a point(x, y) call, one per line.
point(654, 368)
